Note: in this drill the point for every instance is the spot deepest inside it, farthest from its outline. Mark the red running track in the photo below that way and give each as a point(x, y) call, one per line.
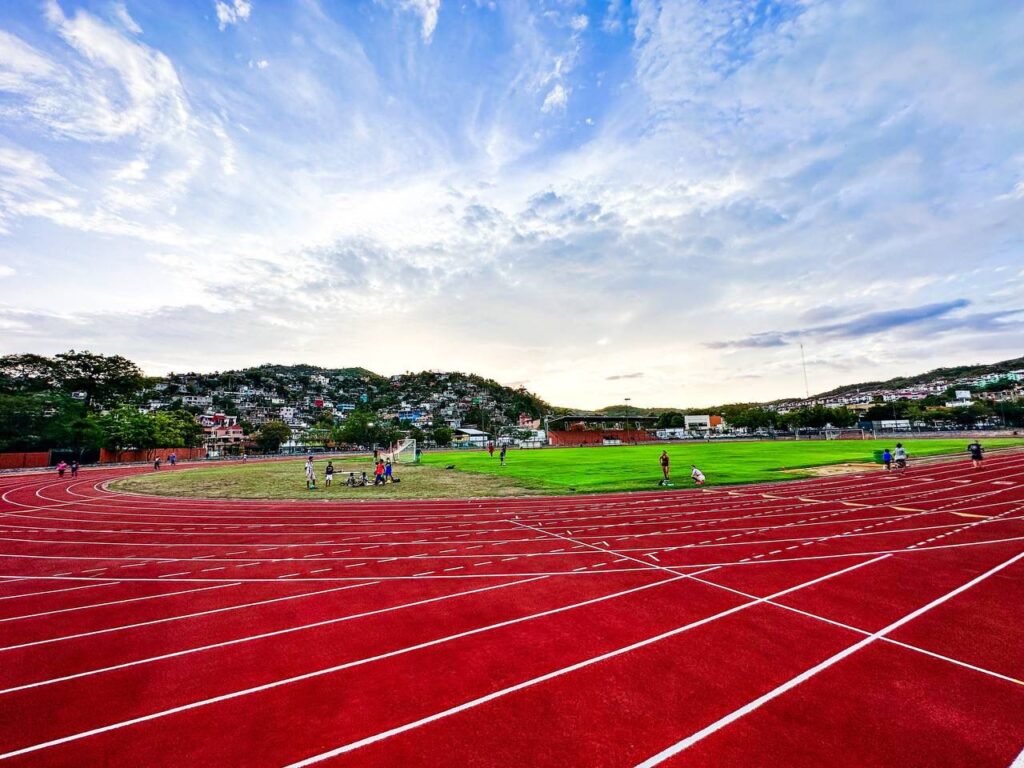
point(869, 619)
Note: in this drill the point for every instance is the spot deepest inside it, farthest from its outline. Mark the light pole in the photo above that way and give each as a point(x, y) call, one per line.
point(627, 418)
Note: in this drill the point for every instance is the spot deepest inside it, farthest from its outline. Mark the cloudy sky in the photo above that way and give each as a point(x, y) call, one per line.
point(599, 200)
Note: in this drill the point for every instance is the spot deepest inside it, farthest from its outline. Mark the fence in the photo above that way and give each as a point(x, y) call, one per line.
point(149, 454)
point(36, 459)
point(24, 460)
point(598, 436)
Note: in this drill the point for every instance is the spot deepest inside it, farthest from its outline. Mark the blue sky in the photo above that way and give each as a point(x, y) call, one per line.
point(599, 200)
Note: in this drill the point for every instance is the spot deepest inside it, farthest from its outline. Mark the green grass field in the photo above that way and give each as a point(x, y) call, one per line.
point(633, 468)
point(547, 471)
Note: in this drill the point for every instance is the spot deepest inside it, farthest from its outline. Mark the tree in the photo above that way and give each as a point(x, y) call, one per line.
point(271, 435)
point(442, 436)
point(104, 380)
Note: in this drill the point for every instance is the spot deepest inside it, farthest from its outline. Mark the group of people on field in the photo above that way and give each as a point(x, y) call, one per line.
point(898, 457)
point(383, 473)
point(501, 453)
point(695, 474)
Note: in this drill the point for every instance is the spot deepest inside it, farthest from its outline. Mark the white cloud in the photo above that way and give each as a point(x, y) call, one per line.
point(556, 99)
point(6, 271)
point(427, 10)
point(258, 63)
point(120, 12)
point(230, 12)
point(579, 23)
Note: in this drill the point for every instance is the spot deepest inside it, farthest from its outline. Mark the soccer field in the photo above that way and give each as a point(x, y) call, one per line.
point(628, 468)
point(526, 472)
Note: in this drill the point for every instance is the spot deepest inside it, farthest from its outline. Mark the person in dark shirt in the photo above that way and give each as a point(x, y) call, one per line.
point(977, 454)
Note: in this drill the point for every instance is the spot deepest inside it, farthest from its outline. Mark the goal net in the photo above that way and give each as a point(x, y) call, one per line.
point(404, 452)
point(845, 434)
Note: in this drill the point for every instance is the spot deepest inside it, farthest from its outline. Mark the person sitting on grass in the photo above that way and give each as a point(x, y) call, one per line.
point(351, 482)
point(697, 475)
point(364, 481)
point(328, 474)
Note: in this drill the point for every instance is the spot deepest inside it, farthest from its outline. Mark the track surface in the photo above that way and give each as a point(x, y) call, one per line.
point(844, 621)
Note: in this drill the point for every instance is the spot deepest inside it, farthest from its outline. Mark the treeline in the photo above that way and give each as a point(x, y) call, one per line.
point(82, 401)
point(755, 417)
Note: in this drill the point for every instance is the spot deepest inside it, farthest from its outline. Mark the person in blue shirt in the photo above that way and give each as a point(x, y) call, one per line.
point(887, 460)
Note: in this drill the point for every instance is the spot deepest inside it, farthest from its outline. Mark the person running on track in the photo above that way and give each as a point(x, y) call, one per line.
point(74, 468)
point(900, 456)
point(887, 459)
point(60, 469)
point(664, 460)
point(977, 454)
point(156, 463)
point(697, 475)
point(328, 474)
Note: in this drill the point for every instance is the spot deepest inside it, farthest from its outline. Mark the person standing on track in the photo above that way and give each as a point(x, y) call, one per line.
point(977, 454)
point(900, 456)
point(664, 461)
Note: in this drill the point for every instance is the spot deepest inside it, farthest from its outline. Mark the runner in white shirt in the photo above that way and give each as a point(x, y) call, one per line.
point(697, 475)
point(310, 474)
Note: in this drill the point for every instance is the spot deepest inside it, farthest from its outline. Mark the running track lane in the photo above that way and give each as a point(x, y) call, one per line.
point(604, 661)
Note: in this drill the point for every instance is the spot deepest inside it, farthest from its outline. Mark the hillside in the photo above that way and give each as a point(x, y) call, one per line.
point(950, 375)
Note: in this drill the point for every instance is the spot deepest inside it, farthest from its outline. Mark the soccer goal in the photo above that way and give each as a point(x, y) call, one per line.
point(845, 434)
point(404, 452)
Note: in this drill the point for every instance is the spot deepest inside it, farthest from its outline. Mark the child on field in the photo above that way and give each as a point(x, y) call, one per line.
point(887, 460)
point(697, 475)
point(328, 474)
point(387, 471)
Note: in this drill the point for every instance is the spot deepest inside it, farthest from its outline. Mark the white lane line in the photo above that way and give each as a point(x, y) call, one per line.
point(1019, 762)
point(551, 675)
point(264, 635)
point(287, 575)
point(330, 670)
point(170, 575)
point(102, 605)
point(151, 622)
point(65, 589)
point(746, 709)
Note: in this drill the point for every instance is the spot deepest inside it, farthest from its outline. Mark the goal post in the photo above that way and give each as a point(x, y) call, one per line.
point(404, 452)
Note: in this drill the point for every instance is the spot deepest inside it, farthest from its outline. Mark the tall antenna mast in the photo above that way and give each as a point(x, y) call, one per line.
point(803, 361)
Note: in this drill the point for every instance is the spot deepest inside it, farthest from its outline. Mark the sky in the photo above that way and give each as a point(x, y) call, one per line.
point(654, 200)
